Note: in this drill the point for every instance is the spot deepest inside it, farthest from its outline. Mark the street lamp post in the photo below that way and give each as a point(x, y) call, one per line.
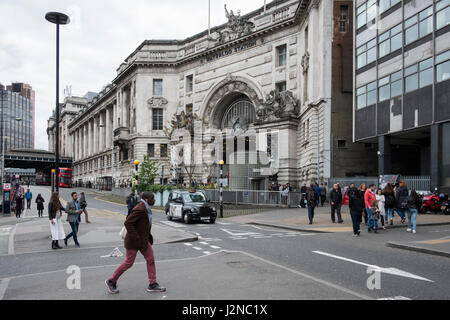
point(57, 18)
point(221, 162)
point(136, 167)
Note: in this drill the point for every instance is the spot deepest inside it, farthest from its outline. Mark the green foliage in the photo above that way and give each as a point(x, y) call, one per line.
point(158, 188)
point(148, 171)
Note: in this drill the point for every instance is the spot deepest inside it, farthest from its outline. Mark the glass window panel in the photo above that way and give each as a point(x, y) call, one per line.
point(371, 12)
point(361, 9)
point(425, 13)
point(442, 4)
point(361, 90)
point(443, 18)
point(426, 26)
point(372, 86)
point(443, 71)
point(411, 70)
point(371, 2)
point(383, 81)
point(396, 76)
point(411, 34)
point(362, 101)
point(426, 78)
point(396, 88)
point(426, 64)
point(383, 37)
point(362, 60)
point(372, 43)
point(384, 5)
point(443, 56)
point(396, 29)
point(384, 48)
point(384, 93)
point(371, 97)
point(411, 83)
point(396, 42)
point(411, 21)
point(361, 49)
point(361, 20)
point(371, 55)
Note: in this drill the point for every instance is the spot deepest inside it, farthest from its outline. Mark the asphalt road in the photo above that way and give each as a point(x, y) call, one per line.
point(326, 265)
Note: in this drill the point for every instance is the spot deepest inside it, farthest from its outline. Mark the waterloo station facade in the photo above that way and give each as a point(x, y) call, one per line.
point(270, 93)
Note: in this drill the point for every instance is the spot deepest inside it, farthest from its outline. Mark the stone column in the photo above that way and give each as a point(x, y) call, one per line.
point(86, 138)
point(95, 135)
point(108, 128)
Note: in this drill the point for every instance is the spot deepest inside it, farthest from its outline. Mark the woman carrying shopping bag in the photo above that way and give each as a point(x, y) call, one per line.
point(55, 209)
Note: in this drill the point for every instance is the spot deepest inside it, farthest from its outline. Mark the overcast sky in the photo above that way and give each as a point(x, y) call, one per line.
point(101, 35)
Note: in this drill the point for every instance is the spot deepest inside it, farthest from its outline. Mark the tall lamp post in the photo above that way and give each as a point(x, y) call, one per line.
point(57, 18)
point(221, 162)
point(136, 167)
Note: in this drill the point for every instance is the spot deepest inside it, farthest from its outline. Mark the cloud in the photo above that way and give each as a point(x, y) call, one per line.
point(101, 35)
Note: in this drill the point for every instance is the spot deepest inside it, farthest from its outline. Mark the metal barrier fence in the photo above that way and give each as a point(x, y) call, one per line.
point(421, 183)
point(258, 197)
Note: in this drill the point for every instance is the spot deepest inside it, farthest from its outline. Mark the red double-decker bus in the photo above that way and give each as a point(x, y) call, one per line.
point(65, 177)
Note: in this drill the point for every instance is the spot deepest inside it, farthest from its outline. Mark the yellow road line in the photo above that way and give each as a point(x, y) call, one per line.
point(436, 241)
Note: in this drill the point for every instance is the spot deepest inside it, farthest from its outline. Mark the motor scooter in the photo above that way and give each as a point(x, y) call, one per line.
point(433, 202)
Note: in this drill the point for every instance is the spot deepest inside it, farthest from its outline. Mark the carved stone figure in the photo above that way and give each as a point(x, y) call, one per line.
point(305, 62)
point(277, 105)
point(237, 27)
point(157, 102)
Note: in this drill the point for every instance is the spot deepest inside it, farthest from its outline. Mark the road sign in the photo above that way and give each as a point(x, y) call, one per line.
point(6, 186)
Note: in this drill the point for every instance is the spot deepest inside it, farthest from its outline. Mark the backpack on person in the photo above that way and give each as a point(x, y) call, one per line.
point(390, 201)
point(311, 196)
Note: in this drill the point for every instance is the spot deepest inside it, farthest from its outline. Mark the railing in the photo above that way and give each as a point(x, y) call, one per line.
point(280, 15)
point(256, 197)
point(420, 183)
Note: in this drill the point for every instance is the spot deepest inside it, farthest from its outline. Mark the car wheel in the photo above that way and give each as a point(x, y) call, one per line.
point(169, 217)
point(212, 221)
point(187, 219)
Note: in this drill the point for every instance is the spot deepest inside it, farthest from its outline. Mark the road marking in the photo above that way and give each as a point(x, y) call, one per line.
point(5, 231)
point(3, 286)
point(239, 232)
point(209, 239)
point(203, 242)
point(435, 241)
point(11, 240)
point(224, 223)
point(239, 238)
point(215, 247)
point(262, 237)
point(395, 298)
point(188, 244)
point(392, 271)
point(206, 252)
point(197, 248)
point(173, 224)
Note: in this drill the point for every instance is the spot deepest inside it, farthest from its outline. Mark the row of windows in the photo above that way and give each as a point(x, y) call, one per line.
point(162, 147)
point(416, 76)
point(415, 27)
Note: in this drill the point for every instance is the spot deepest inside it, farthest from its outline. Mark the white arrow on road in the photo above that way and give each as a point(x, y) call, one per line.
point(239, 232)
point(393, 271)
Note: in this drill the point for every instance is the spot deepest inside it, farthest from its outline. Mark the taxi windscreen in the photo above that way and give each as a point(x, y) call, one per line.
point(194, 197)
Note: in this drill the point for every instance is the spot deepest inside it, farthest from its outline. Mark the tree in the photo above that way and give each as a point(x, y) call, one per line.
point(149, 170)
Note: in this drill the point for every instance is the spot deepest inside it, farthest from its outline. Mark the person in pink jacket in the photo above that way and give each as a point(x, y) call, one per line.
point(369, 198)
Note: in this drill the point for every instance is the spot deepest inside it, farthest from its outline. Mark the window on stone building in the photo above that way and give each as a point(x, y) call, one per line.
point(163, 149)
point(390, 41)
point(157, 119)
point(443, 66)
point(419, 75)
point(366, 13)
point(281, 86)
point(419, 25)
point(269, 145)
point(386, 4)
point(189, 109)
point(151, 150)
point(366, 53)
point(442, 14)
point(390, 86)
point(157, 87)
point(307, 130)
point(366, 95)
point(343, 17)
point(281, 55)
point(189, 83)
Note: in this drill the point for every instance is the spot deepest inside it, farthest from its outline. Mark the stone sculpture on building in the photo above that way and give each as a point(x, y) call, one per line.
point(277, 105)
point(237, 27)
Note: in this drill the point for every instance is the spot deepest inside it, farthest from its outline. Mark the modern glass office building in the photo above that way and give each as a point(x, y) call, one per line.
point(402, 86)
point(17, 116)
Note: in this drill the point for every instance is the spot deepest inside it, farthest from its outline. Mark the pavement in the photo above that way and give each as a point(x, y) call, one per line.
point(296, 219)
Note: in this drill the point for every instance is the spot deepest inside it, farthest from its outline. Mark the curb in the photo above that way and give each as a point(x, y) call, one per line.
point(193, 239)
point(280, 226)
point(418, 249)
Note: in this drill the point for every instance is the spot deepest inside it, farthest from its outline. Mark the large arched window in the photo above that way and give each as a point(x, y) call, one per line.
point(238, 115)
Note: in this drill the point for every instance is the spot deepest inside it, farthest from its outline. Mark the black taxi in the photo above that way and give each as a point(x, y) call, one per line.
point(189, 206)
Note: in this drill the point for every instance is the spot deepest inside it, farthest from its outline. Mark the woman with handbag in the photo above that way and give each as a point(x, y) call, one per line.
point(40, 205)
point(55, 209)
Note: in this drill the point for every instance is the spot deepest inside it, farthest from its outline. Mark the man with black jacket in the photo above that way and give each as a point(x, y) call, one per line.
point(336, 203)
point(356, 203)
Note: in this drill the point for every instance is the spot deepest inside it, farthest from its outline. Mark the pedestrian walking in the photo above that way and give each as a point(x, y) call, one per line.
point(40, 205)
point(312, 197)
point(381, 205)
point(131, 202)
point(374, 216)
point(389, 203)
point(55, 209)
point(28, 196)
point(356, 202)
point(401, 200)
point(317, 190)
point(285, 194)
point(138, 238)
point(74, 211)
point(369, 198)
point(414, 204)
point(323, 194)
point(363, 188)
point(83, 205)
point(19, 205)
point(336, 203)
